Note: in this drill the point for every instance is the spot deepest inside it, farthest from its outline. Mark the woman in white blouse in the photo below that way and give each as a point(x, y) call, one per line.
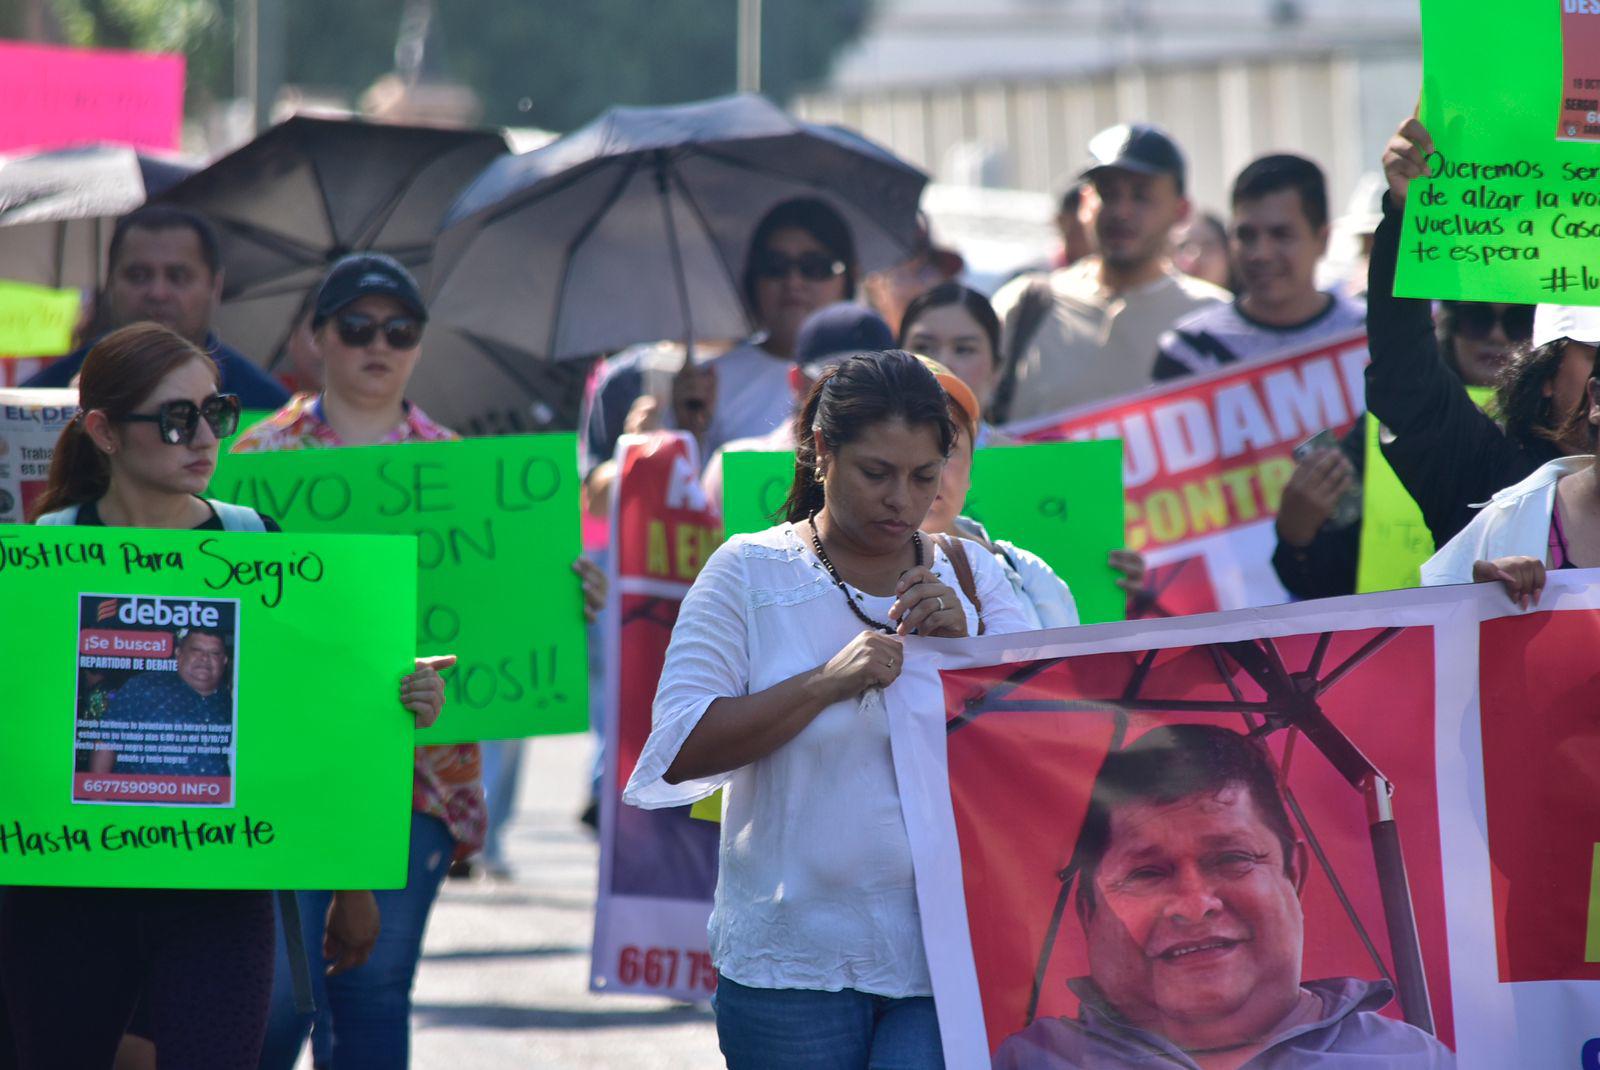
point(773, 686)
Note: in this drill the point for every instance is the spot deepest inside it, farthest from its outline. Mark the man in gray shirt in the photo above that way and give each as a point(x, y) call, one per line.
point(1189, 879)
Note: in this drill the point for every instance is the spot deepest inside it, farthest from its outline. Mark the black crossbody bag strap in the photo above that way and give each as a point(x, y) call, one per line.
point(294, 939)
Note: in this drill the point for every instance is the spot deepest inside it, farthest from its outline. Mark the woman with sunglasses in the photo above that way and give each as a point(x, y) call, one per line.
point(801, 257)
point(367, 323)
point(74, 962)
point(1477, 340)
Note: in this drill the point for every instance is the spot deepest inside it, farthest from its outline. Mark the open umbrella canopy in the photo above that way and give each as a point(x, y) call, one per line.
point(310, 190)
point(635, 227)
point(57, 209)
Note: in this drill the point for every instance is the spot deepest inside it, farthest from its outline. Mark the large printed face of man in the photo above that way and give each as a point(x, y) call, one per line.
point(202, 661)
point(1194, 928)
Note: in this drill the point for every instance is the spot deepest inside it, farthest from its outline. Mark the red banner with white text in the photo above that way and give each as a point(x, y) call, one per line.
point(1205, 461)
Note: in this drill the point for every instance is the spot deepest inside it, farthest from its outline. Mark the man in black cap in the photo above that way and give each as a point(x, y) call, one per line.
point(1089, 331)
point(164, 266)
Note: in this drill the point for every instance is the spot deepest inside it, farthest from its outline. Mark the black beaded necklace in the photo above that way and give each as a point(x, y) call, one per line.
point(822, 555)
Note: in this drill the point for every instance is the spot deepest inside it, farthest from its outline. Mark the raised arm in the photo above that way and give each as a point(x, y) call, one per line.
point(1443, 447)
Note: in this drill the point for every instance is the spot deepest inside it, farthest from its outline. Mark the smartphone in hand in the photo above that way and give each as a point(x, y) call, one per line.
point(1348, 509)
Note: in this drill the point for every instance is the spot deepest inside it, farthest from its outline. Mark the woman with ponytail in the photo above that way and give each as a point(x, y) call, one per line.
point(773, 687)
point(76, 962)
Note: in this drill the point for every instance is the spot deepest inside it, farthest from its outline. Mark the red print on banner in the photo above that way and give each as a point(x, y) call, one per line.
point(1179, 589)
point(1541, 771)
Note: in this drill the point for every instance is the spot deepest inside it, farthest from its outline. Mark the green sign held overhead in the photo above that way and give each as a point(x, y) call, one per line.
point(496, 523)
point(205, 710)
point(1061, 500)
point(1512, 212)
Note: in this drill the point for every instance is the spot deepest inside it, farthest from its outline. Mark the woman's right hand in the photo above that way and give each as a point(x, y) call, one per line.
point(871, 659)
point(1523, 577)
point(1406, 157)
point(1312, 494)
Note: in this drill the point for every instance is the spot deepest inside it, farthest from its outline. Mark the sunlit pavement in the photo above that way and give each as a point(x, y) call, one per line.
point(504, 978)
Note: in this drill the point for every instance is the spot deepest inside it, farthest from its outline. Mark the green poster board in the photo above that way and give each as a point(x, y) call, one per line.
point(1061, 500)
point(295, 767)
point(1513, 210)
point(496, 522)
point(247, 420)
point(36, 321)
point(1395, 540)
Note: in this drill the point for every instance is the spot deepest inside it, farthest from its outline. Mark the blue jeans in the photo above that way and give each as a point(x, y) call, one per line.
point(805, 1029)
point(364, 1015)
point(502, 767)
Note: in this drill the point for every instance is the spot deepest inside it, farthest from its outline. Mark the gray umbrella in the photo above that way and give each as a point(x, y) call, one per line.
point(310, 190)
point(634, 228)
point(57, 209)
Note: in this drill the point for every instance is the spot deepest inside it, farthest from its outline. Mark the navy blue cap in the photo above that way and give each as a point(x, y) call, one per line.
point(832, 333)
point(361, 274)
point(1142, 148)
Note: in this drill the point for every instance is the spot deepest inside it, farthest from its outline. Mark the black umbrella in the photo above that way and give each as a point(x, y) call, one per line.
point(310, 190)
point(57, 209)
point(634, 228)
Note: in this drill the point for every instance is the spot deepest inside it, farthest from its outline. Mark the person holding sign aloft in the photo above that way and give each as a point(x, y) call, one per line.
point(367, 322)
point(774, 685)
point(1448, 453)
point(75, 963)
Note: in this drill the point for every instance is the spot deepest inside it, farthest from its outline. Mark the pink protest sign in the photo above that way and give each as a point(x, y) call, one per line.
point(52, 97)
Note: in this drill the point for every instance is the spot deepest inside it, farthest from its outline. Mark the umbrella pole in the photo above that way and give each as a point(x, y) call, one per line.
point(677, 257)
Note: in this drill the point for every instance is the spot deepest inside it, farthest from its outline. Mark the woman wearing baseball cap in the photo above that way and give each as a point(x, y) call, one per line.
point(367, 322)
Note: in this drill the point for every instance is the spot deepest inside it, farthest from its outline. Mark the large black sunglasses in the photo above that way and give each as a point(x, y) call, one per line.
point(357, 330)
point(1477, 321)
point(177, 421)
point(813, 267)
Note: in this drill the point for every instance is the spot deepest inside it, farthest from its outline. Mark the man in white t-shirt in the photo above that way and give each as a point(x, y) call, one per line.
point(1089, 332)
point(1279, 233)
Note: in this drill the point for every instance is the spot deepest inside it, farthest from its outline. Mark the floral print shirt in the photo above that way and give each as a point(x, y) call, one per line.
point(447, 780)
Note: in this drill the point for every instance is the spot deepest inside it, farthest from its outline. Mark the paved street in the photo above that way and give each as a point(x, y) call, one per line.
point(504, 979)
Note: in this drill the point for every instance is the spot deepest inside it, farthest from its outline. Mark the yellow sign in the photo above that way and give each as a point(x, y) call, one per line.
point(36, 321)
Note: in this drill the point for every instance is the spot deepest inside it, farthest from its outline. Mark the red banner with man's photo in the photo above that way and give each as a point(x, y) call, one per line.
point(1205, 462)
point(658, 868)
point(1364, 827)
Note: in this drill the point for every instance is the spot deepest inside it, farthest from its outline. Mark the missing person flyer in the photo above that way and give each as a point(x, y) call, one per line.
point(1580, 83)
point(157, 706)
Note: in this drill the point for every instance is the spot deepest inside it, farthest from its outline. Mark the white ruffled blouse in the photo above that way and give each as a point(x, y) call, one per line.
point(815, 888)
